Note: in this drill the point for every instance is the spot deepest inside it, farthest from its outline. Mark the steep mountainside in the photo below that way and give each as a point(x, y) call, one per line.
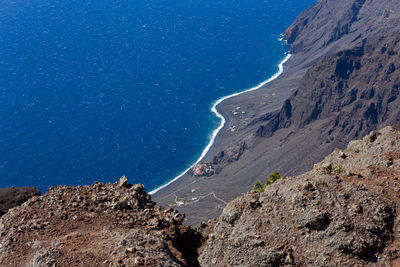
point(354, 91)
point(342, 213)
point(332, 25)
point(329, 104)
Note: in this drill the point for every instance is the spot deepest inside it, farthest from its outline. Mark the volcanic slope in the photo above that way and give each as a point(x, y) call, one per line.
point(267, 136)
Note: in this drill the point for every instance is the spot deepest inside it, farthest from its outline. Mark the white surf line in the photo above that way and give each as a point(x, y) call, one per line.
point(223, 121)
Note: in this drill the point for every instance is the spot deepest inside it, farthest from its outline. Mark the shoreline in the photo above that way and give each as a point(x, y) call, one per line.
point(223, 120)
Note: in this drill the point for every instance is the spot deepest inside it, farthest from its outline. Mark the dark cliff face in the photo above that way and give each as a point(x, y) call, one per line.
point(330, 26)
point(355, 90)
point(328, 21)
point(11, 197)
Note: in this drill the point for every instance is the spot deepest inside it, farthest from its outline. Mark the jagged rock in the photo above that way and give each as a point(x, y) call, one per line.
point(318, 218)
point(349, 21)
point(325, 168)
point(98, 225)
point(232, 154)
point(123, 181)
point(313, 220)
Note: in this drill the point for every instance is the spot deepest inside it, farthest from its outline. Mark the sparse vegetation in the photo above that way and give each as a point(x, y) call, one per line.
point(328, 168)
point(258, 186)
point(273, 177)
point(337, 169)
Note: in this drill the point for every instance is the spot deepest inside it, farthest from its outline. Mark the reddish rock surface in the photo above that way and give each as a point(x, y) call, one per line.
point(98, 225)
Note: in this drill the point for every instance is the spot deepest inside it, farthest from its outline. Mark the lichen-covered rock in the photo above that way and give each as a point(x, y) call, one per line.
point(342, 213)
point(98, 225)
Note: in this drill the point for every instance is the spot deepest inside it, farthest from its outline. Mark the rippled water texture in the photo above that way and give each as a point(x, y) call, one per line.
point(91, 90)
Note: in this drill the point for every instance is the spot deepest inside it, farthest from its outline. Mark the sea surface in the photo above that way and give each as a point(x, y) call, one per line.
point(92, 90)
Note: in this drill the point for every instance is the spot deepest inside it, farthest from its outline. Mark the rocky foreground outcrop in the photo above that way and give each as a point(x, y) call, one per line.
point(98, 225)
point(342, 213)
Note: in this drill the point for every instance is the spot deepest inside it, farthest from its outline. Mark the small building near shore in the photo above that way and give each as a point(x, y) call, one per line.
point(203, 169)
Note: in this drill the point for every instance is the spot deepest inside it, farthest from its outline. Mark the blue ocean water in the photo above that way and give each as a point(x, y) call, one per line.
point(92, 90)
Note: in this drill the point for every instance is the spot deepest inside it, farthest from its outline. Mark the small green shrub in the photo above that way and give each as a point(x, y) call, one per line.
point(258, 186)
point(337, 169)
point(273, 177)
